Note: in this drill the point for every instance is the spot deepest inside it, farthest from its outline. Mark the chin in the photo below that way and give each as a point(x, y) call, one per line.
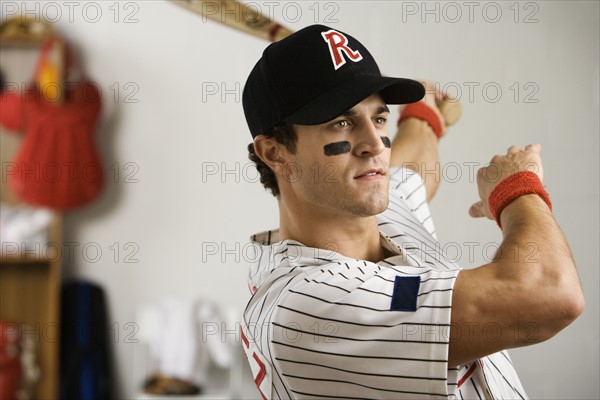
point(380, 209)
point(372, 207)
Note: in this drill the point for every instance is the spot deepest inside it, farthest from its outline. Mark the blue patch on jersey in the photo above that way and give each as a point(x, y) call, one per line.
point(406, 290)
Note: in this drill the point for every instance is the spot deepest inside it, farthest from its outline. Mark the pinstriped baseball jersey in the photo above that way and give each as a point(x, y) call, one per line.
point(321, 325)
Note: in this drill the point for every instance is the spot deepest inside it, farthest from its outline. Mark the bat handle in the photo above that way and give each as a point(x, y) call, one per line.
point(451, 111)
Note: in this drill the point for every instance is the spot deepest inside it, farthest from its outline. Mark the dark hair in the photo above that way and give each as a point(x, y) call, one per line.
point(284, 134)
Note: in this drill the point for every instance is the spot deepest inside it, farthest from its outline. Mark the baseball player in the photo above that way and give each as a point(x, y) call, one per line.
point(352, 297)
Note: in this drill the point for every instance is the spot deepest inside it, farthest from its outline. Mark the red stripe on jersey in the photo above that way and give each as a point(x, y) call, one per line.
point(261, 374)
point(244, 338)
point(467, 375)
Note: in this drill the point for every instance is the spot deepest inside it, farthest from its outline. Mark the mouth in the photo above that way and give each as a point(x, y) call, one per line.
point(372, 173)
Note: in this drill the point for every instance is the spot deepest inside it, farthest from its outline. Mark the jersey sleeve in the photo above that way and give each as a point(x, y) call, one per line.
point(408, 198)
point(364, 331)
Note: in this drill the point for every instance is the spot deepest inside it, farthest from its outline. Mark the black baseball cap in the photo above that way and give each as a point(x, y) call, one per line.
point(315, 75)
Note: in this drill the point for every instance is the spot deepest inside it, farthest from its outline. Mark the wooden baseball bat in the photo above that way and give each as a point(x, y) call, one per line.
point(249, 19)
point(237, 15)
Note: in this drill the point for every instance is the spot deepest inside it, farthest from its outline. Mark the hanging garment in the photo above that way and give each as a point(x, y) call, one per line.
point(57, 165)
point(11, 111)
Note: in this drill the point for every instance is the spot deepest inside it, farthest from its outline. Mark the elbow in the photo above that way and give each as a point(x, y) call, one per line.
point(567, 308)
point(556, 303)
point(569, 300)
point(573, 306)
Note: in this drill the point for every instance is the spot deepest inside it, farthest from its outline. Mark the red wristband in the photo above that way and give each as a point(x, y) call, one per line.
point(423, 112)
point(515, 185)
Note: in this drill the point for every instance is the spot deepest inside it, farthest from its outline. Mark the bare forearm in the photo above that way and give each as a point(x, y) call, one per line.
point(536, 259)
point(529, 292)
point(416, 147)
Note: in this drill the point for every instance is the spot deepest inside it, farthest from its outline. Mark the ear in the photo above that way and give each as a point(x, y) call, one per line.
point(271, 152)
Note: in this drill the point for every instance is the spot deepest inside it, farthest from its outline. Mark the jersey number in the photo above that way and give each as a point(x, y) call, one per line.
point(260, 368)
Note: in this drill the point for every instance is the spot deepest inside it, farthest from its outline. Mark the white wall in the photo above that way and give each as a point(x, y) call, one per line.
point(177, 132)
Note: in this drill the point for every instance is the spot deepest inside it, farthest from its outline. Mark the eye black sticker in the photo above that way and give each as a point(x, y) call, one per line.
point(337, 148)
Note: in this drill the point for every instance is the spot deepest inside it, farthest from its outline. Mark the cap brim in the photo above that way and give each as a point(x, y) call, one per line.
point(343, 97)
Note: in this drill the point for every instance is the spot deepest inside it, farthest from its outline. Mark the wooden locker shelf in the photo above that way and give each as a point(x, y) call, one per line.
point(30, 297)
point(29, 283)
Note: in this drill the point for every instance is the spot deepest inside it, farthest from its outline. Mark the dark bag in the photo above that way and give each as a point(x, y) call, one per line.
point(84, 362)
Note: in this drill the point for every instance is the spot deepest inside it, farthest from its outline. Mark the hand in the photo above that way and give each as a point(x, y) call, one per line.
point(500, 167)
point(433, 98)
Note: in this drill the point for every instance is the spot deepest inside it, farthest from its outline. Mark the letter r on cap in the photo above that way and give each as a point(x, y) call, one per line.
point(338, 43)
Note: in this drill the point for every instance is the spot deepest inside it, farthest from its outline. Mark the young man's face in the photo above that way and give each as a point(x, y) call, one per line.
point(341, 166)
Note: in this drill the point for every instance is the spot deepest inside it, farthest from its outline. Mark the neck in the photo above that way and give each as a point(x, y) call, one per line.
point(351, 236)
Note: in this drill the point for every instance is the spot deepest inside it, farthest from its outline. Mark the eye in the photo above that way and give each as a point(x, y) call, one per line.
point(343, 123)
point(380, 120)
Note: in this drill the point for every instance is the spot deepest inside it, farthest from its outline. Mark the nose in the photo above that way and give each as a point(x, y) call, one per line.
point(369, 141)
